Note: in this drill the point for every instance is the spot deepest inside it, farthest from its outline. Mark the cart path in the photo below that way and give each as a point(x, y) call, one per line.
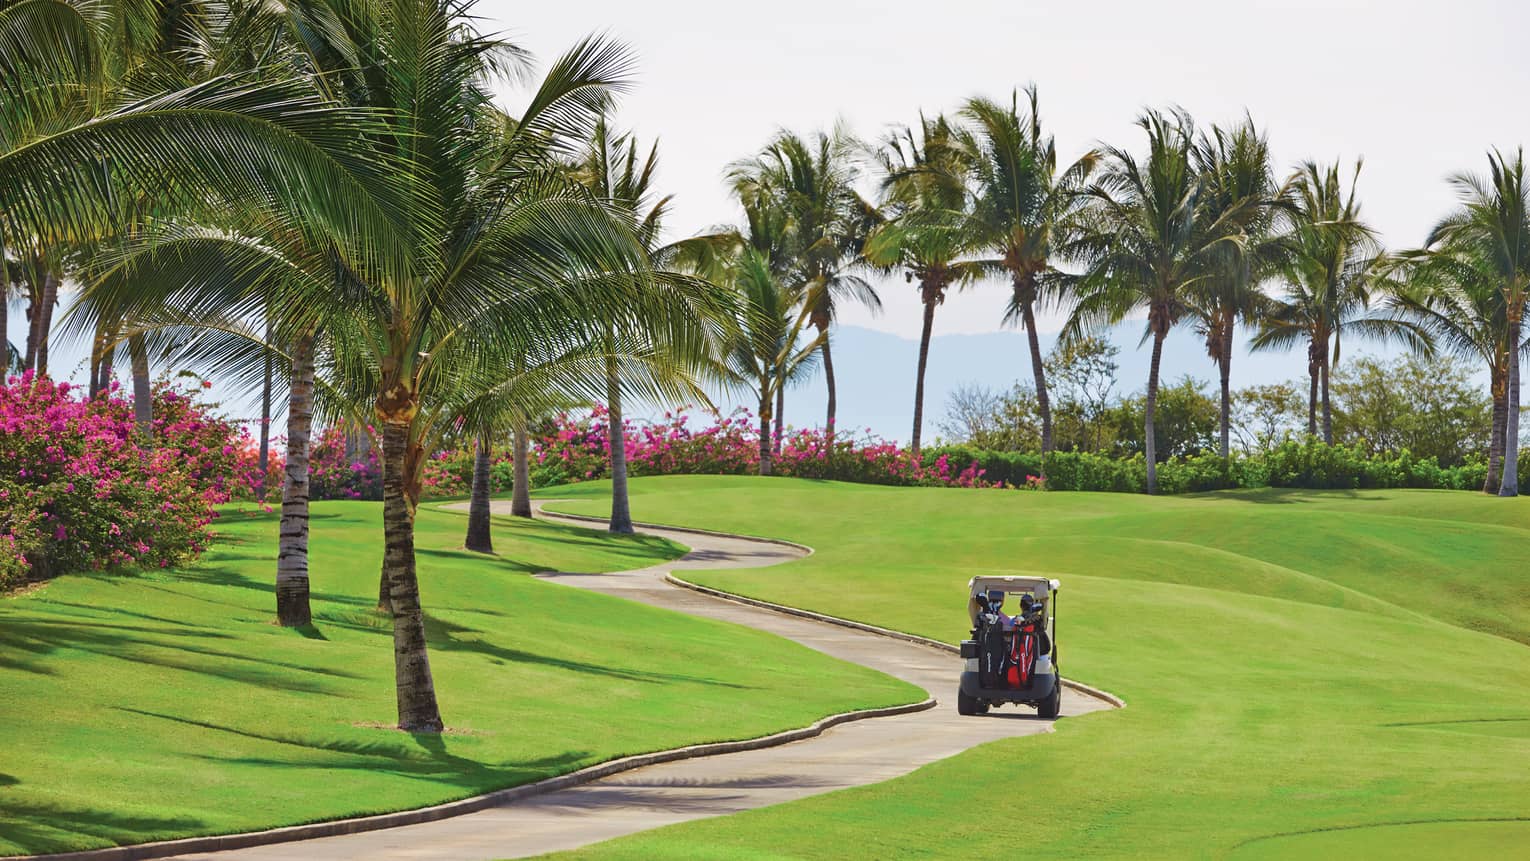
point(852, 754)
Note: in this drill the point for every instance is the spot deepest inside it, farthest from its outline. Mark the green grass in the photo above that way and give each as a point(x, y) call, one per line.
point(1307, 674)
point(136, 708)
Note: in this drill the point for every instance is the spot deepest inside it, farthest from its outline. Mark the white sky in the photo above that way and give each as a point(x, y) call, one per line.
point(1420, 89)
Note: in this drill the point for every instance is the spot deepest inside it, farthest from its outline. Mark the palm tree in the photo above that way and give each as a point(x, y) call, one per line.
point(767, 351)
point(1022, 205)
point(494, 254)
point(1451, 292)
point(1148, 239)
point(1494, 221)
point(1332, 267)
point(812, 181)
point(617, 173)
point(1236, 167)
point(930, 228)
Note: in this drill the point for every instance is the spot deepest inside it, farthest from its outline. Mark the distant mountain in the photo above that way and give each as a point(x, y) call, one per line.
point(875, 372)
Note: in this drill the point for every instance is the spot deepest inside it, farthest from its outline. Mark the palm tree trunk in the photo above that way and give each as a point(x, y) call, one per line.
point(1327, 405)
point(1150, 442)
point(1510, 484)
point(34, 316)
point(520, 489)
point(621, 507)
point(1495, 442)
point(1038, 370)
point(924, 359)
point(265, 425)
point(104, 384)
point(765, 448)
point(1312, 393)
point(780, 427)
point(1224, 365)
point(828, 376)
point(45, 325)
point(416, 689)
point(143, 404)
point(478, 537)
point(292, 608)
point(97, 347)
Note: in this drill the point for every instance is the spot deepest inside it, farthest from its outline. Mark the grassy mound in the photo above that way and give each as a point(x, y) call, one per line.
point(1308, 674)
point(164, 705)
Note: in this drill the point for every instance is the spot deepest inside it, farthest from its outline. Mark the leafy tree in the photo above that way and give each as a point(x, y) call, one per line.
point(1186, 424)
point(1264, 416)
point(1428, 408)
point(1084, 370)
point(985, 419)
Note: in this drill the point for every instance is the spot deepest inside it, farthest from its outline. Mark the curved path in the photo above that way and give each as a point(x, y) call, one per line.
point(852, 754)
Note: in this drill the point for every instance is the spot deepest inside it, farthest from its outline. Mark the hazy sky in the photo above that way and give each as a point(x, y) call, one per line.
point(1421, 90)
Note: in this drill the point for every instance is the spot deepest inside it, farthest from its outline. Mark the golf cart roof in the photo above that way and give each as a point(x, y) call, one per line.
point(1041, 587)
point(1038, 586)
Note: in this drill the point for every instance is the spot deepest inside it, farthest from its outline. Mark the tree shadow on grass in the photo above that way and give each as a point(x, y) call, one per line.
point(176, 649)
point(454, 637)
point(415, 756)
point(38, 827)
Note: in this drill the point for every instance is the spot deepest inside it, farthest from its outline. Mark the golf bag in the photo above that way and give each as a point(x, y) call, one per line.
point(1023, 649)
point(993, 653)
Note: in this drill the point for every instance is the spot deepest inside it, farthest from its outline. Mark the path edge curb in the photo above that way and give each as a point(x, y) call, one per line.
point(447, 810)
point(1088, 690)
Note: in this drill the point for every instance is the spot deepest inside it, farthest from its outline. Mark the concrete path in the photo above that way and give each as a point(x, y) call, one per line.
point(852, 754)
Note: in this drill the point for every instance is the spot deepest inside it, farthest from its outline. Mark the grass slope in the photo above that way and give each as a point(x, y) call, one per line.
point(1308, 674)
point(136, 708)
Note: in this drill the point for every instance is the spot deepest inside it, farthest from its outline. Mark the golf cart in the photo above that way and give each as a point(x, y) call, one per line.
point(1011, 658)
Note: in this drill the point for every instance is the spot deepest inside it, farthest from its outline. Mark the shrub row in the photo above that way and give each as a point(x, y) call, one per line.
point(575, 448)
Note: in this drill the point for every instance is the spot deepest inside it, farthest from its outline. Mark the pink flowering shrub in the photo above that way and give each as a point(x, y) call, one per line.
point(339, 469)
point(577, 447)
point(80, 489)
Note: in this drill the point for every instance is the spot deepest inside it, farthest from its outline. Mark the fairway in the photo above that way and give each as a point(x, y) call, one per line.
point(167, 704)
point(1307, 674)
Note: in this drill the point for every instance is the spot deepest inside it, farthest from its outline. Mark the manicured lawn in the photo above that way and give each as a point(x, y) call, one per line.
point(1304, 671)
point(135, 708)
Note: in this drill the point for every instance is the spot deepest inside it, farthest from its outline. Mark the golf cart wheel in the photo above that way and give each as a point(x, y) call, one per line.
point(966, 705)
point(1052, 705)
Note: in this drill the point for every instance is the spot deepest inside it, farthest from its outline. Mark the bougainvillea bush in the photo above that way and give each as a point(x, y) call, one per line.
point(81, 489)
point(574, 447)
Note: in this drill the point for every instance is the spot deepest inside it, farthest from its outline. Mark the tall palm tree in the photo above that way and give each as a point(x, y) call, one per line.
point(1494, 220)
point(495, 254)
point(1452, 293)
point(1238, 174)
point(1022, 207)
point(812, 181)
point(1332, 268)
point(618, 174)
point(930, 231)
point(1147, 240)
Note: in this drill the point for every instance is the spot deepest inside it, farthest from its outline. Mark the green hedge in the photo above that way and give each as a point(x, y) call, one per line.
point(1308, 463)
